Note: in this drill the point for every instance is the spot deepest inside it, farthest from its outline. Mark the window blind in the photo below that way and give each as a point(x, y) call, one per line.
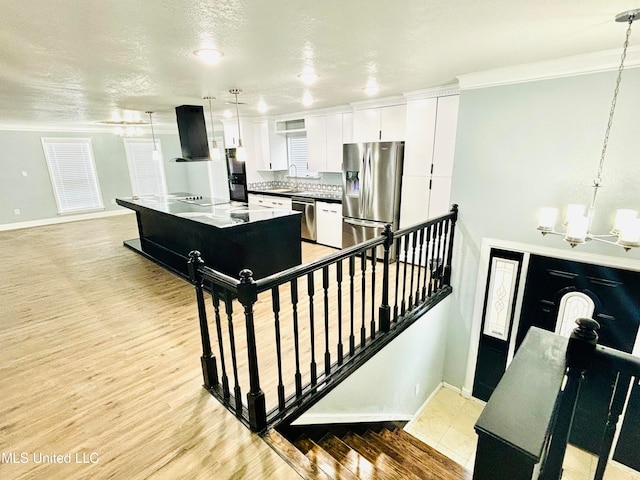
point(297, 151)
point(73, 174)
point(146, 174)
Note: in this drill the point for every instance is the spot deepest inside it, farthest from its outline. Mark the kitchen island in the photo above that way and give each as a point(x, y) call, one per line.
point(231, 236)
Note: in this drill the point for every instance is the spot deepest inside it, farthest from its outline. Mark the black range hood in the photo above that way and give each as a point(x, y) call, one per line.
point(193, 134)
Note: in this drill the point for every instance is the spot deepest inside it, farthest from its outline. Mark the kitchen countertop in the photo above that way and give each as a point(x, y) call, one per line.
point(329, 197)
point(214, 212)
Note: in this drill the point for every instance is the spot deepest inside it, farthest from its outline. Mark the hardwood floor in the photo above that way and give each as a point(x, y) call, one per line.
point(100, 354)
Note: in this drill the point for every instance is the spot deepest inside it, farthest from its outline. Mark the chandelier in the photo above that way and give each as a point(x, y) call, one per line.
point(626, 226)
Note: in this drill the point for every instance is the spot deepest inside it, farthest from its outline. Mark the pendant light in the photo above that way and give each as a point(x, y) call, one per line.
point(215, 151)
point(626, 225)
point(241, 154)
point(155, 155)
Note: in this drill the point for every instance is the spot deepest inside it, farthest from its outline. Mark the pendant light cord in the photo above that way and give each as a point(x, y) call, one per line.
point(153, 136)
point(598, 179)
point(238, 118)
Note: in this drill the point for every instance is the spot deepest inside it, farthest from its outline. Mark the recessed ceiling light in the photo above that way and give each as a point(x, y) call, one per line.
point(372, 87)
point(307, 99)
point(262, 106)
point(210, 56)
point(308, 77)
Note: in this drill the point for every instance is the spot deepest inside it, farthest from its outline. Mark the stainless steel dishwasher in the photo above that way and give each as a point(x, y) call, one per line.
point(308, 222)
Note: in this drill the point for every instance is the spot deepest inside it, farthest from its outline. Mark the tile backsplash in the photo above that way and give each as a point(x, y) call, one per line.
point(301, 185)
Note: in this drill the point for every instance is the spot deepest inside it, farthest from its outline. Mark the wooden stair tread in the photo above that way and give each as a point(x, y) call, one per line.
point(384, 463)
point(294, 456)
point(439, 461)
point(420, 465)
point(324, 460)
point(349, 458)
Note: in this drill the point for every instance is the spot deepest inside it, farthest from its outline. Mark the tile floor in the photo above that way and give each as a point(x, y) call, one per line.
point(446, 423)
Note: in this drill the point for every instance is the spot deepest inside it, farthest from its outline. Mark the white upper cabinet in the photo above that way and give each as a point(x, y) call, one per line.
point(379, 124)
point(445, 136)
point(347, 128)
point(324, 142)
point(420, 136)
point(316, 143)
point(335, 141)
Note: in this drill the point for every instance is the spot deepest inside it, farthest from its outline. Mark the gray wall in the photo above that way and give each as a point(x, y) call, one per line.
point(384, 388)
point(525, 146)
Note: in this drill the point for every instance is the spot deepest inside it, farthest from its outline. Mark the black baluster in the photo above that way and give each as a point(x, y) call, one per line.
point(384, 311)
point(427, 259)
point(207, 360)
point(433, 260)
point(339, 300)
point(414, 240)
point(228, 304)
point(275, 302)
point(403, 308)
point(449, 266)
point(312, 333)
point(225, 379)
point(439, 259)
point(418, 298)
point(325, 288)
point(296, 338)
point(373, 292)
point(352, 273)
point(396, 303)
point(248, 296)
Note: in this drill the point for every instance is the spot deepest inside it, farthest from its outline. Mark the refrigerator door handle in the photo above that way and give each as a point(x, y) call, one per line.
point(364, 223)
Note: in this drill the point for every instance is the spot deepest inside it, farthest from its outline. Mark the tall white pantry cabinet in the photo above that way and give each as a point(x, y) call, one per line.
point(430, 140)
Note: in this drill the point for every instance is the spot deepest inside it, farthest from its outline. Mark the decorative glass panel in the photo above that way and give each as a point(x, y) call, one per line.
point(500, 297)
point(573, 305)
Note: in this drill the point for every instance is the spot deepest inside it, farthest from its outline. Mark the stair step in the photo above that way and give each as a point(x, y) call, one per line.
point(324, 460)
point(383, 462)
point(435, 461)
point(349, 458)
point(294, 456)
point(410, 459)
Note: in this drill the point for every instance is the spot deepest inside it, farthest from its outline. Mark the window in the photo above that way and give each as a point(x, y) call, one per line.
point(573, 305)
point(502, 289)
point(73, 174)
point(146, 174)
point(298, 154)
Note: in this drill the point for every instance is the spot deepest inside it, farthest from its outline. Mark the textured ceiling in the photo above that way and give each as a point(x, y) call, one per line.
point(78, 62)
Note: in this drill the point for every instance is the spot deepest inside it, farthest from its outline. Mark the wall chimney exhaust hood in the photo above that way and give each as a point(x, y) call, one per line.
point(193, 134)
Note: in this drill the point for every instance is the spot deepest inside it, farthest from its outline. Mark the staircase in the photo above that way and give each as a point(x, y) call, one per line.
point(389, 453)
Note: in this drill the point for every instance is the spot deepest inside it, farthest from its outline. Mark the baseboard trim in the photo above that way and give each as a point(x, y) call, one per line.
point(63, 219)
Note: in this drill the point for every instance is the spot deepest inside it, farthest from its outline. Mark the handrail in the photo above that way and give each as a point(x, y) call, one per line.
point(337, 292)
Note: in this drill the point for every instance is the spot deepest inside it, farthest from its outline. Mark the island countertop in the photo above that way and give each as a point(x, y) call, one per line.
point(210, 211)
point(231, 236)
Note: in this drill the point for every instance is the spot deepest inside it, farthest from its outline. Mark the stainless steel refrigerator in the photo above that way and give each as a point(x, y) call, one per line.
point(237, 177)
point(371, 184)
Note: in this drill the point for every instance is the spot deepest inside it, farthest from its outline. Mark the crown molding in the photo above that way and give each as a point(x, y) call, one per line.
point(379, 102)
point(443, 91)
point(562, 67)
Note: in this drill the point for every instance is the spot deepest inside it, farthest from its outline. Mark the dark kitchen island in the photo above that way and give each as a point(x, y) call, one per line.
point(229, 235)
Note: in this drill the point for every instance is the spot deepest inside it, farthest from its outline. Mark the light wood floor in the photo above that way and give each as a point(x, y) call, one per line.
point(99, 353)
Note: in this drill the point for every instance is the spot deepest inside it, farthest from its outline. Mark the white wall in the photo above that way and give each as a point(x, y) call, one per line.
point(384, 388)
point(528, 145)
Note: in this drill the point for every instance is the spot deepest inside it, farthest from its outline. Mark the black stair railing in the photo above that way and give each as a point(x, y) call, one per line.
point(287, 339)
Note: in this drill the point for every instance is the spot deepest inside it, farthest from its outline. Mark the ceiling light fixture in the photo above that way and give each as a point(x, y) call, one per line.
point(210, 56)
point(307, 99)
point(215, 151)
point(308, 77)
point(241, 154)
point(372, 87)
point(262, 106)
point(626, 226)
point(155, 155)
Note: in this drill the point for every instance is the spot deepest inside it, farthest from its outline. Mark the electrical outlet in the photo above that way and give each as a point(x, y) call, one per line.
point(416, 390)
point(16, 211)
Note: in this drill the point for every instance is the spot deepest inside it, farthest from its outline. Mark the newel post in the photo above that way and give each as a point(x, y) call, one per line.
point(384, 311)
point(448, 266)
point(208, 361)
point(247, 296)
point(580, 351)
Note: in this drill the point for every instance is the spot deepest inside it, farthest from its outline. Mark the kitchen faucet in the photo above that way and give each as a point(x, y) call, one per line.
point(295, 169)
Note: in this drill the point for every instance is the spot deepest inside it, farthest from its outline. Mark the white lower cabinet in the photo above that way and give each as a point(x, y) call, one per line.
point(269, 201)
point(329, 224)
